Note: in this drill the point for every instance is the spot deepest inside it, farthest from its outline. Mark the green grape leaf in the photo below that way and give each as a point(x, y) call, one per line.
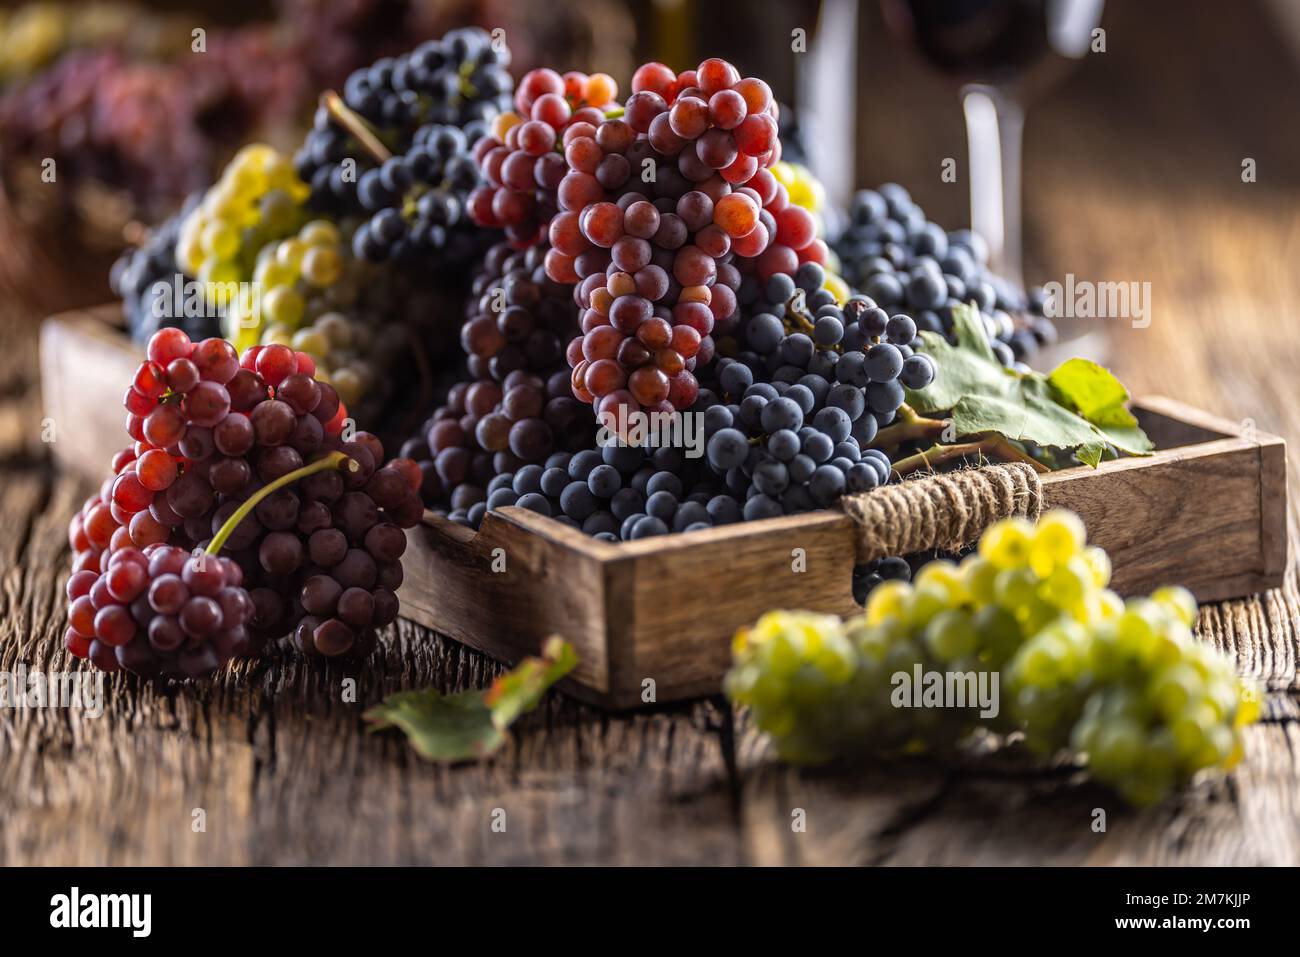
point(1095, 394)
point(472, 724)
point(1091, 453)
point(1093, 391)
point(970, 333)
point(1080, 408)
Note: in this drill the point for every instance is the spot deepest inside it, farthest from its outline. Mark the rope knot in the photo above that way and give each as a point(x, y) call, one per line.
point(943, 512)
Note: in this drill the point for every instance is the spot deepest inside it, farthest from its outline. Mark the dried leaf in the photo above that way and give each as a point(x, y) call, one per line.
point(472, 724)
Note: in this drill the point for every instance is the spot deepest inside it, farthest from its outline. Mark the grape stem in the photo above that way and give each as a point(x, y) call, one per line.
point(910, 425)
point(805, 325)
point(353, 122)
point(335, 460)
point(994, 446)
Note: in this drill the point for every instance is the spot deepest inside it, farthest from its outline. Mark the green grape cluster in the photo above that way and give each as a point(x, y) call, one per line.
point(1145, 702)
point(799, 672)
point(1124, 687)
point(258, 199)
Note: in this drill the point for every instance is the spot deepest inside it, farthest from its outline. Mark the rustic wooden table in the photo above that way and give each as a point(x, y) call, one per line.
point(286, 774)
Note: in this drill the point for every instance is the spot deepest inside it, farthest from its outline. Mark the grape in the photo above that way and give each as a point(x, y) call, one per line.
point(1123, 686)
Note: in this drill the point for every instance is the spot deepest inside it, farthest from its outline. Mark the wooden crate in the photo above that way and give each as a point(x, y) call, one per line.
point(1208, 511)
point(87, 362)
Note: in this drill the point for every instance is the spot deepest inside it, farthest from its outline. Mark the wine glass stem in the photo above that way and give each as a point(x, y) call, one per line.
point(994, 130)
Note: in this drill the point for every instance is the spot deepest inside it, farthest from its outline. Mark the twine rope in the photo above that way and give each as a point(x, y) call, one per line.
point(945, 511)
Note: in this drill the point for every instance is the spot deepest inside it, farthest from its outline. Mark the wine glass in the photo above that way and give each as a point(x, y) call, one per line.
point(1002, 53)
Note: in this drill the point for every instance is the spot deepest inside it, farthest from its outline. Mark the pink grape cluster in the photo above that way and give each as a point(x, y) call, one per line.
point(704, 210)
point(239, 515)
point(658, 215)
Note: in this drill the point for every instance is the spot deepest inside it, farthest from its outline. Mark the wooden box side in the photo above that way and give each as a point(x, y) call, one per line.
point(684, 596)
point(86, 360)
point(506, 588)
point(1210, 516)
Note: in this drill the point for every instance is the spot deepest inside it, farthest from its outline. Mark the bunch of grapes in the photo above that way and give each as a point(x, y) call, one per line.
point(257, 200)
point(893, 254)
point(1147, 704)
point(395, 149)
point(645, 212)
point(806, 394)
point(1126, 687)
point(241, 453)
point(662, 210)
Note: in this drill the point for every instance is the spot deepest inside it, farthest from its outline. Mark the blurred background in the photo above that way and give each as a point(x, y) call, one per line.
point(1135, 132)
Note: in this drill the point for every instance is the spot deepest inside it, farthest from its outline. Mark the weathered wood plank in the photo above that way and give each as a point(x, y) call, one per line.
point(285, 773)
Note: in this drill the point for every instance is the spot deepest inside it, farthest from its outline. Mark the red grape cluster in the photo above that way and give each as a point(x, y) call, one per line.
point(657, 215)
point(693, 150)
point(160, 611)
point(244, 453)
point(519, 158)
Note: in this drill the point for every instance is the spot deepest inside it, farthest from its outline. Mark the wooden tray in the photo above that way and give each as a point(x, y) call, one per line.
point(1208, 511)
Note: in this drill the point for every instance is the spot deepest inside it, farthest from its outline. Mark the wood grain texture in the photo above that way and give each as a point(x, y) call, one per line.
point(1133, 173)
point(285, 773)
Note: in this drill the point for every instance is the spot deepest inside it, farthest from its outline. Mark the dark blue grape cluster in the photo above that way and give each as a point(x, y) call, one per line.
point(615, 493)
point(153, 293)
point(426, 108)
point(806, 393)
point(893, 254)
point(786, 420)
point(417, 200)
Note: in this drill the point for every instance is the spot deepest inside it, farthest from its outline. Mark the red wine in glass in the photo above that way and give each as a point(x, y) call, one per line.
point(1002, 53)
